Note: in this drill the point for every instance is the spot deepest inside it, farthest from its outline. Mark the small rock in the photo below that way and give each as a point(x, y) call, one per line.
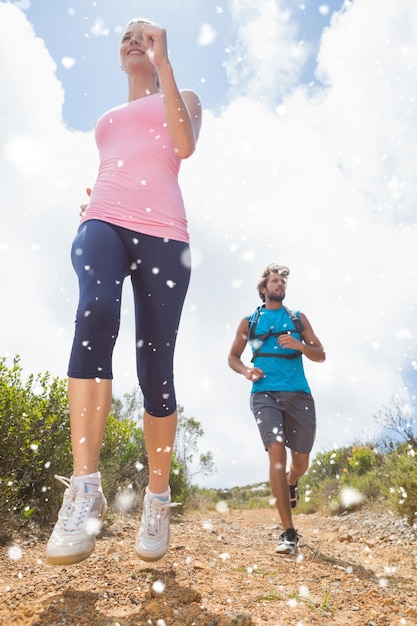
point(187, 596)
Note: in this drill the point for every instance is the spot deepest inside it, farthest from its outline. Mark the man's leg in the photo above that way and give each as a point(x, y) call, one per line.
point(300, 421)
point(288, 540)
point(278, 482)
point(298, 467)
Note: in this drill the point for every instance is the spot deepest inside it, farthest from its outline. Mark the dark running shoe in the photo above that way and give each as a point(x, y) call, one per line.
point(294, 495)
point(287, 543)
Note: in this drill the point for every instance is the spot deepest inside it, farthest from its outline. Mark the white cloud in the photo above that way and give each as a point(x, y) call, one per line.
point(324, 183)
point(22, 4)
point(318, 188)
point(27, 154)
point(41, 164)
point(269, 53)
point(368, 59)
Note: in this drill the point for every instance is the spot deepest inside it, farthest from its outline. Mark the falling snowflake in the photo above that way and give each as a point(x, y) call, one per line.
point(93, 526)
point(206, 35)
point(158, 586)
point(350, 496)
point(125, 500)
point(98, 28)
point(15, 553)
point(221, 507)
point(324, 9)
point(68, 62)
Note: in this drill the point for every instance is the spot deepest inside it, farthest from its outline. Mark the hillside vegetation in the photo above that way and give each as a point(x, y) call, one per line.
point(35, 445)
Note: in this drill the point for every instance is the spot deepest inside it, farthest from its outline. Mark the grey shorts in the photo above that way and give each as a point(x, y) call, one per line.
point(287, 417)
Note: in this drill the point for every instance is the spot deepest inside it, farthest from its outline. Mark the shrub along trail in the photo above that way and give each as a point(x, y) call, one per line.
point(222, 570)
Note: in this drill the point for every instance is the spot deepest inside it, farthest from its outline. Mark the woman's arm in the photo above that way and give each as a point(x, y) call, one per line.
point(182, 108)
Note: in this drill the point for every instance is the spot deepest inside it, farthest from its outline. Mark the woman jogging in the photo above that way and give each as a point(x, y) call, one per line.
point(134, 226)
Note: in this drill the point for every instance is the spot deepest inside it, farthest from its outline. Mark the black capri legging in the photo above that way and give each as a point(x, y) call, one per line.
point(103, 255)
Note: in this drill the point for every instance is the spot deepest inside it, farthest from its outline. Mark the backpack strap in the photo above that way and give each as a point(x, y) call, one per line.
point(295, 320)
point(253, 322)
point(260, 339)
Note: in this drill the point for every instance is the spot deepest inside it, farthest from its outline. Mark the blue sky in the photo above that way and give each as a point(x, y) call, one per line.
point(88, 33)
point(307, 157)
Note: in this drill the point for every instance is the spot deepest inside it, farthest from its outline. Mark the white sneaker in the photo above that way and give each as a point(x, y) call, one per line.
point(152, 540)
point(287, 543)
point(79, 521)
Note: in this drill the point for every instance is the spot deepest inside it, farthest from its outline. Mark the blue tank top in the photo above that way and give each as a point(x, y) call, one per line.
point(281, 374)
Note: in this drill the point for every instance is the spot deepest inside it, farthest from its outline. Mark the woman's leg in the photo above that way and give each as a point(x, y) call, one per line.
point(100, 260)
point(89, 404)
point(160, 284)
point(101, 263)
point(159, 438)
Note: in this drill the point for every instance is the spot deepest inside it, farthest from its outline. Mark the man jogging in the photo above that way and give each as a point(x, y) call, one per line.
point(281, 400)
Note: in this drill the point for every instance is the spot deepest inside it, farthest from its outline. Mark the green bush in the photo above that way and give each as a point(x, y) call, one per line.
point(123, 462)
point(202, 499)
point(363, 459)
point(400, 485)
point(35, 444)
point(369, 484)
point(180, 489)
point(326, 465)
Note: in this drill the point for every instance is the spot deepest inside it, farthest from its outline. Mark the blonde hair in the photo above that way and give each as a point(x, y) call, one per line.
point(272, 268)
point(140, 20)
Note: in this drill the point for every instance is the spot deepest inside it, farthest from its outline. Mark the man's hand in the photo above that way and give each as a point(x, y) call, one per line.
point(289, 341)
point(253, 373)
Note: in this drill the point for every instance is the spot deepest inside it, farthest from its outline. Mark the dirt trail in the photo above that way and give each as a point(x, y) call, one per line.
point(222, 570)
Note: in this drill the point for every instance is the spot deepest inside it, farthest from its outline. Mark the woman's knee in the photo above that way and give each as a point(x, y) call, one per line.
point(159, 403)
point(156, 381)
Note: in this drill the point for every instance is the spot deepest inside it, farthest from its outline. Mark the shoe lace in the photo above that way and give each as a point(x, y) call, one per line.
point(155, 512)
point(75, 508)
point(289, 536)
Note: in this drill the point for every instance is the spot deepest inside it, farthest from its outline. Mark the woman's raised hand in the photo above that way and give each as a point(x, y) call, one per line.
point(155, 39)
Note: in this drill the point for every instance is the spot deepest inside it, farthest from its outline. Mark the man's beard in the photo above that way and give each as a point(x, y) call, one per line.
point(274, 297)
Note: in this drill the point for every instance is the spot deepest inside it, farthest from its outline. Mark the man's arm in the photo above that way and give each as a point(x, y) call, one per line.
point(310, 346)
point(238, 346)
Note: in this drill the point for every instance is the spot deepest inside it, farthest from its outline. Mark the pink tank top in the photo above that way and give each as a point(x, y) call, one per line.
point(137, 182)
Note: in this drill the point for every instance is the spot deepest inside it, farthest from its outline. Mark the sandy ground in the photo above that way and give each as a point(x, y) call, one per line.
point(222, 570)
